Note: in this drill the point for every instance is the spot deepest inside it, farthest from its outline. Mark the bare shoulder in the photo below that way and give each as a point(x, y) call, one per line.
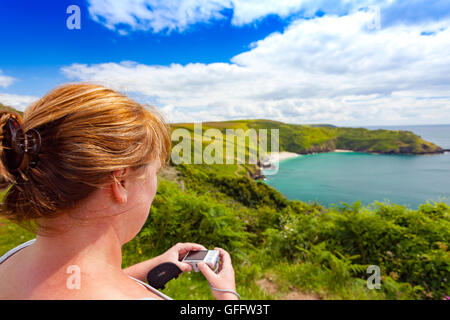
point(13, 276)
point(20, 280)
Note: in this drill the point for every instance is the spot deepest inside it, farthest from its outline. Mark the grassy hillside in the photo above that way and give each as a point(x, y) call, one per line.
point(289, 249)
point(285, 249)
point(305, 139)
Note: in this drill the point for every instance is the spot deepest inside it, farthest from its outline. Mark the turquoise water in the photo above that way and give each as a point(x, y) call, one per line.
point(347, 177)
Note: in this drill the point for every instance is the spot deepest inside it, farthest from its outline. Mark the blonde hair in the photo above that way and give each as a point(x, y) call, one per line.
point(87, 131)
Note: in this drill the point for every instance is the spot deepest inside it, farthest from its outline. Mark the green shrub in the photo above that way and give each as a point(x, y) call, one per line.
point(176, 216)
point(309, 247)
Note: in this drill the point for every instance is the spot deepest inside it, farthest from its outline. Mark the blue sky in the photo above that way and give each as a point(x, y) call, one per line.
point(296, 61)
point(36, 43)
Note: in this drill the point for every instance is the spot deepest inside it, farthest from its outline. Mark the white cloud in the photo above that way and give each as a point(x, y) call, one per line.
point(18, 102)
point(329, 69)
point(5, 81)
point(155, 15)
point(177, 15)
point(170, 15)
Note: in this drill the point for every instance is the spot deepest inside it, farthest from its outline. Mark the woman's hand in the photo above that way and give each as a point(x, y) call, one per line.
point(174, 255)
point(177, 253)
point(224, 279)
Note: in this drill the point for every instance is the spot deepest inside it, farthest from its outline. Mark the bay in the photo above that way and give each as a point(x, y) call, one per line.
point(332, 178)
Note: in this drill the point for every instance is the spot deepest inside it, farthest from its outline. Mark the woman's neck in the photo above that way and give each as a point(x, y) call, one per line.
point(94, 248)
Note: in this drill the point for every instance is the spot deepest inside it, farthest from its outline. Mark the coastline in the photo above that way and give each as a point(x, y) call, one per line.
point(267, 163)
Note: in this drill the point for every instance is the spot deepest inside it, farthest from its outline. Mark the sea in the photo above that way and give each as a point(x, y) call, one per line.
point(333, 178)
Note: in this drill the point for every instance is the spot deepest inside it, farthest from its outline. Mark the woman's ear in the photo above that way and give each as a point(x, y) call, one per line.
point(119, 186)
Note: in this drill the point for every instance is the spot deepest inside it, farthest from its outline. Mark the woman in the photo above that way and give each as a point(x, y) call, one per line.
point(82, 167)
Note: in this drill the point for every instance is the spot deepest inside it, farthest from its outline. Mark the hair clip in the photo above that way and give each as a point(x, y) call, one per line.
point(18, 143)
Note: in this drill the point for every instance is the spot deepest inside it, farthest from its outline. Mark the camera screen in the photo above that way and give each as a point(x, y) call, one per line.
point(197, 255)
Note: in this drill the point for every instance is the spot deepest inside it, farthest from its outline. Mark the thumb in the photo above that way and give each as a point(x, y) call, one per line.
point(207, 272)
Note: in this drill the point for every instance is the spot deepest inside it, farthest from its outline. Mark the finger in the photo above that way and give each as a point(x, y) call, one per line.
point(225, 258)
point(184, 267)
point(224, 254)
point(186, 247)
point(192, 246)
point(207, 272)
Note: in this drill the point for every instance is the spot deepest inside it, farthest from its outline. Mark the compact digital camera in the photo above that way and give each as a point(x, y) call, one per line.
point(210, 257)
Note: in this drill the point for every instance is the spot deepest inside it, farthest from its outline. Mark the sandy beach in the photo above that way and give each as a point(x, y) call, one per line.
point(284, 155)
point(341, 150)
